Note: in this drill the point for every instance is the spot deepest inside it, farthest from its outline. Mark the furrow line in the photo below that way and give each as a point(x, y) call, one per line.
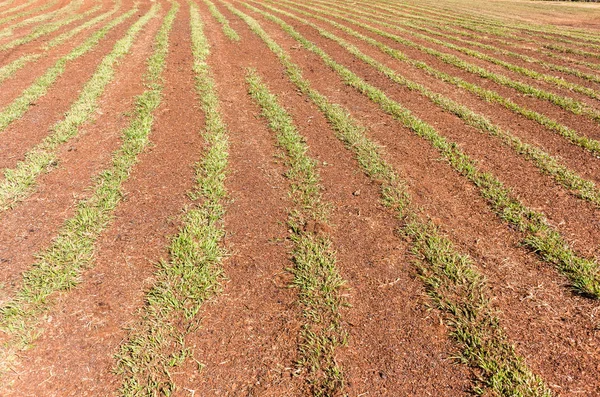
point(40, 87)
point(20, 182)
point(69, 9)
point(315, 272)
point(43, 7)
point(227, 30)
point(193, 272)
point(582, 188)
point(567, 103)
point(488, 95)
point(47, 29)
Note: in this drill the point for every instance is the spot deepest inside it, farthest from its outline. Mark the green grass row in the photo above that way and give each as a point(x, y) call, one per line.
point(395, 14)
point(40, 86)
point(579, 35)
point(567, 103)
point(10, 69)
point(69, 9)
point(19, 182)
point(444, 33)
point(86, 26)
point(548, 164)
point(41, 8)
point(46, 29)
point(315, 272)
point(452, 280)
point(504, 29)
point(227, 30)
point(193, 272)
point(488, 95)
point(60, 266)
point(16, 8)
point(539, 236)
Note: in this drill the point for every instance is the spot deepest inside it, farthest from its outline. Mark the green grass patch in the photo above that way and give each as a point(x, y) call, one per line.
point(315, 272)
point(60, 266)
point(451, 279)
point(192, 274)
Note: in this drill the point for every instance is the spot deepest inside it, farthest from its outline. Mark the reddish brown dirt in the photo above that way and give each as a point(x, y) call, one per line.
point(248, 337)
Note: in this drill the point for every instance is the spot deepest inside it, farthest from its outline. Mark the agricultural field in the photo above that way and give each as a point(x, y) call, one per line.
point(299, 198)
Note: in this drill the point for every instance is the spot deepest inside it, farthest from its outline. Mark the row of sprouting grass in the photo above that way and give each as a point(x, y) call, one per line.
point(315, 272)
point(567, 103)
point(500, 37)
point(227, 30)
point(40, 86)
point(538, 235)
point(445, 31)
point(9, 70)
point(59, 267)
point(432, 22)
point(19, 182)
point(579, 186)
point(69, 9)
point(17, 7)
point(488, 95)
point(504, 29)
point(193, 272)
point(25, 13)
point(451, 279)
point(446, 23)
point(47, 29)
